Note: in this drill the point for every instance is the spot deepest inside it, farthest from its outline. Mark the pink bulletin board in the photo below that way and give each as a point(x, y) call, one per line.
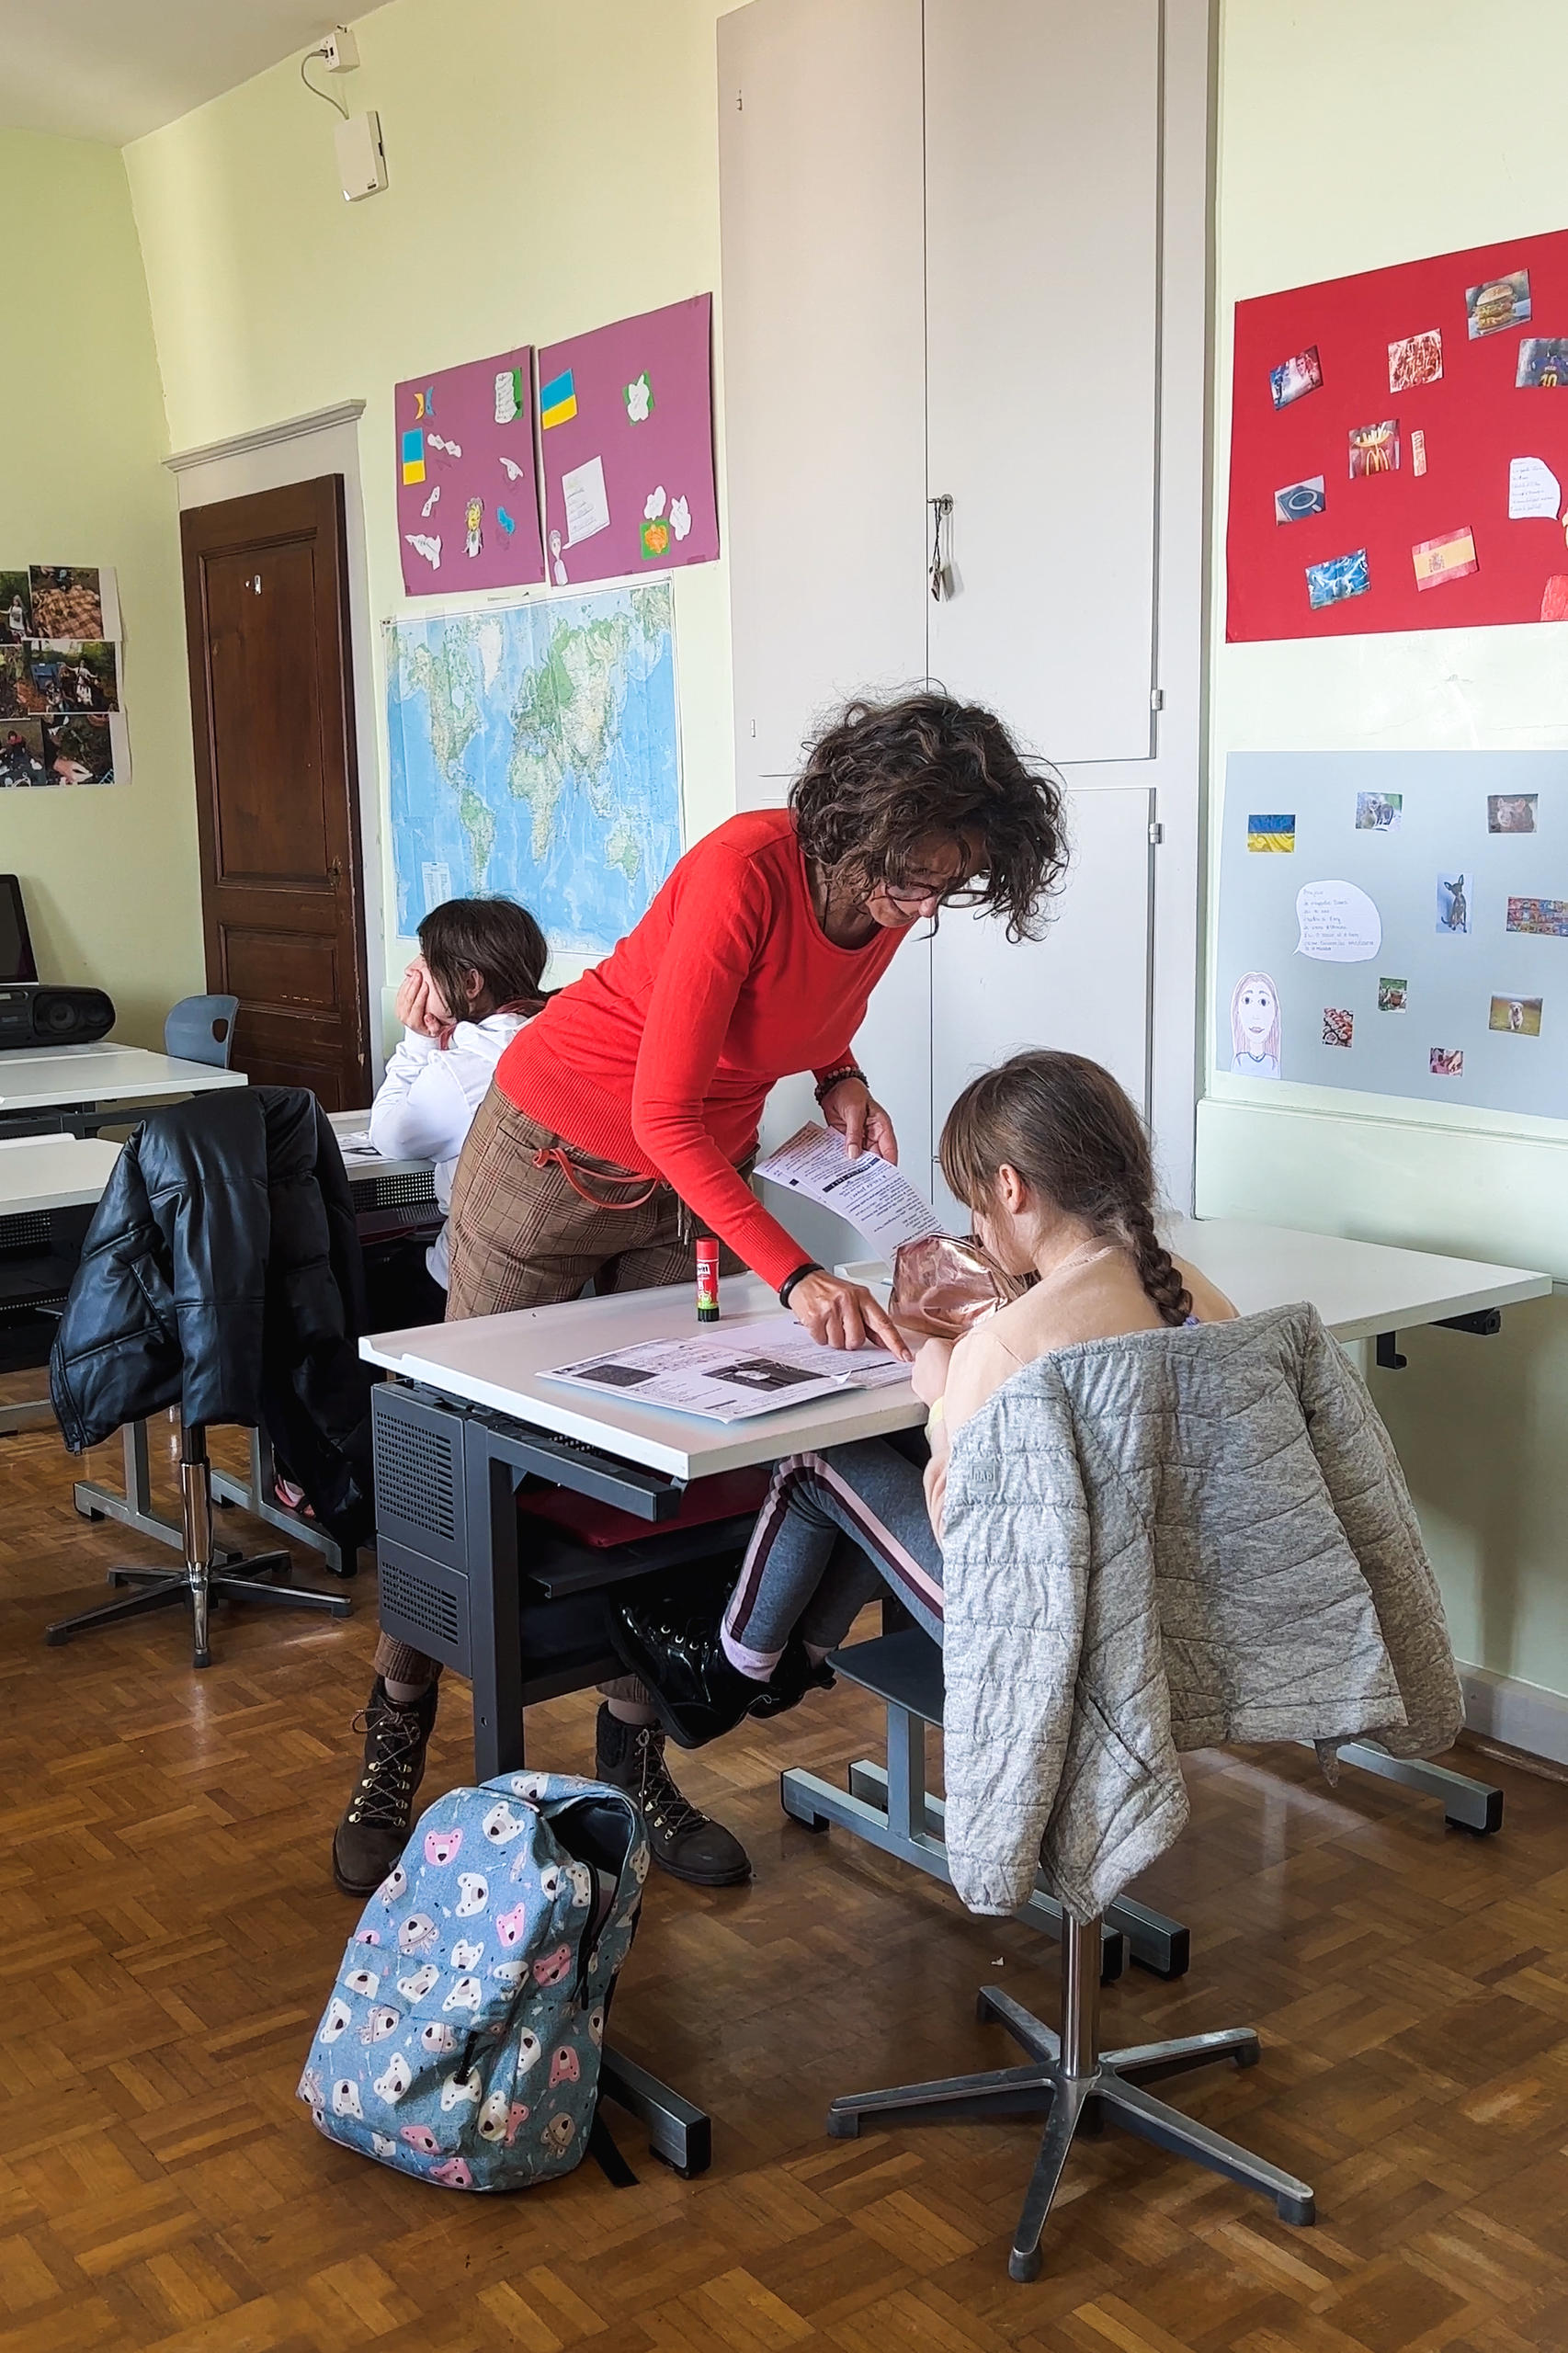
point(626, 423)
point(467, 489)
point(1402, 435)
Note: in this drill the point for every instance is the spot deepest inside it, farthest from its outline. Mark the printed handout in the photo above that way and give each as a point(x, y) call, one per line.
point(758, 1366)
point(587, 505)
point(1534, 490)
point(867, 1192)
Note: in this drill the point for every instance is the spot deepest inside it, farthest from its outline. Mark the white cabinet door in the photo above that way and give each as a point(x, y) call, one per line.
point(1084, 988)
point(1042, 147)
point(822, 201)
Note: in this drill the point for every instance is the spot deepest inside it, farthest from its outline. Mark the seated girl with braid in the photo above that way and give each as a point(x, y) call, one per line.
point(1053, 1162)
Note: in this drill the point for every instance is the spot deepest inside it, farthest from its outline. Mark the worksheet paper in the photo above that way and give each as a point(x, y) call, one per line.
point(756, 1367)
point(869, 1192)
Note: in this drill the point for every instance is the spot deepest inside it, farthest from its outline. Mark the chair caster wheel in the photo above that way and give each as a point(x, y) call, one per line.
point(201, 1658)
point(1025, 2264)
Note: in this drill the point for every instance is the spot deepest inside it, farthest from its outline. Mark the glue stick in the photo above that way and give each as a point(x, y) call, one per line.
point(707, 1281)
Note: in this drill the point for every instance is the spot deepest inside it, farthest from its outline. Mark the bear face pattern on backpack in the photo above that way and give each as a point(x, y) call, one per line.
point(462, 2041)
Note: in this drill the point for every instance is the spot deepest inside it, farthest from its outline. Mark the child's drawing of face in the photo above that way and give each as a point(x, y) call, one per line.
point(1255, 1009)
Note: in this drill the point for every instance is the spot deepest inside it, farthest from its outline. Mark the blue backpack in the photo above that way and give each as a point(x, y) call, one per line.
point(462, 2043)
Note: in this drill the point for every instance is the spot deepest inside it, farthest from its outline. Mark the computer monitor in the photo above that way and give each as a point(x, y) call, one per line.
point(16, 945)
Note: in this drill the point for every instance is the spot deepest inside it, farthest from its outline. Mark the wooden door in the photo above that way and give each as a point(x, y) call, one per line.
point(272, 708)
point(1042, 227)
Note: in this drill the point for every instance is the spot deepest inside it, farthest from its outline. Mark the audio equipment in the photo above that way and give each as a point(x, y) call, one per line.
point(38, 1014)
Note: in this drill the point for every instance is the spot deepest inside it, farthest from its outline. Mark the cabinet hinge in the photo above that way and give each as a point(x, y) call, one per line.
point(1156, 835)
point(1156, 698)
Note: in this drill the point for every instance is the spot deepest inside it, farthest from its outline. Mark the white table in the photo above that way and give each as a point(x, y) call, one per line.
point(81, 1088)
point(38, 1174)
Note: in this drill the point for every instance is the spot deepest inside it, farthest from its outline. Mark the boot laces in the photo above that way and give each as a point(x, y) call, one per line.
point(386, 1787)
point(658, 1793)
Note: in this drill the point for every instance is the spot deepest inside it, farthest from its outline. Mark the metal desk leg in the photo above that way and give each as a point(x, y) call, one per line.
point(30, 1415)
point(680, 2134)
point(257, 1494)
point(134, 1508)
point(1467, 1804)
point(494, 1631)
point(893, 1812)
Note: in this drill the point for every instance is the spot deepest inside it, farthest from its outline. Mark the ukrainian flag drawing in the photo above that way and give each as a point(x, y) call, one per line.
point(558, 400)
point(1272, 833)
point(413, 456)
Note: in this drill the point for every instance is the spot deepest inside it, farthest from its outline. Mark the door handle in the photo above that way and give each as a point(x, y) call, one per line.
point(334, 872)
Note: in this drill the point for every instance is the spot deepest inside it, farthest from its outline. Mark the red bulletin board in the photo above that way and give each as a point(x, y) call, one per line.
point(1473, 420)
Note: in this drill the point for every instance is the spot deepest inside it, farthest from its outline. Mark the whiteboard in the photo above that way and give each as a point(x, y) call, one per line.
point(1466, 901)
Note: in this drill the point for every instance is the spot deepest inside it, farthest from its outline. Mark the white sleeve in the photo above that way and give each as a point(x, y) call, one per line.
point(420, 1111)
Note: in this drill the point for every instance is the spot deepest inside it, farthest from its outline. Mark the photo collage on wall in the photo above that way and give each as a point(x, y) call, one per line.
point(60, 678)
point(1397, 923)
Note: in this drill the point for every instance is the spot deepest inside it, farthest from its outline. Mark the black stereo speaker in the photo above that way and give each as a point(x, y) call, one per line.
point(33, 1014)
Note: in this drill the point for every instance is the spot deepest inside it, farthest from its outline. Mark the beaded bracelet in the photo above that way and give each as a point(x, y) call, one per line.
point(836, 1078)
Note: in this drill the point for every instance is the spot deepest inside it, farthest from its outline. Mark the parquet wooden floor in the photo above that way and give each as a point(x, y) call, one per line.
point(170, 1931)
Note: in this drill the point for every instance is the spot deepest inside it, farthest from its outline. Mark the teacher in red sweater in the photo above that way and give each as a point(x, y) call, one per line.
point(626, 1114)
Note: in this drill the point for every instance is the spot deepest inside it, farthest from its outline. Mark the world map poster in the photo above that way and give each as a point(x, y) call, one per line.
point(535, 757)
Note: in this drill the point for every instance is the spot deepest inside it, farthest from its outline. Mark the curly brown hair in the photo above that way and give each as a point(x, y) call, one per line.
point(881, 777)
point(1066, 1126)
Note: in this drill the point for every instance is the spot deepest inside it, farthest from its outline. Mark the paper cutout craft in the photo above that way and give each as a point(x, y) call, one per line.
point(666, 448)
point(1338, 1025)
point(557, 567)
point(1336, 923)
point(1293, 377)
point(1417, 360)
point(1378, 813)
point(1374, 449)
point(1543, 363)
point(1275, 833)
point(1540, 918)
point(1497, 304)
point(1255, 1027)
point(1341, 576)
point(509, 522)
point(413, 457)
point(486, 408)
point(1299, 499)
point(587, 506)
point(1446, 1062)
point(1516, 1016)
point(1452, 557)
point(1453, 905)
point(1418, 452)
point(1393, 996)
point(1554, 598)
point(557, 400)
point(1511, 813)
point(1533, 490)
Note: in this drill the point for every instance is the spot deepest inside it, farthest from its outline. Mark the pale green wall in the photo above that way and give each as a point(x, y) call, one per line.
point(551, 168)
point(1354, 133)
point(109, 873)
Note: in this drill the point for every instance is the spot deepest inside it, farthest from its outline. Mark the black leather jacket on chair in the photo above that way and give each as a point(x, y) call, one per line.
point(222, 1274)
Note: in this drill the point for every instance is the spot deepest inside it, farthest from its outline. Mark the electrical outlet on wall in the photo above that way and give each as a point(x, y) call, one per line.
point(341, 51)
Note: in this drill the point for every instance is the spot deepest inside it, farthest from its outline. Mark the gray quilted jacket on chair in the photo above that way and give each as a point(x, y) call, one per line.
point(1164, 1542)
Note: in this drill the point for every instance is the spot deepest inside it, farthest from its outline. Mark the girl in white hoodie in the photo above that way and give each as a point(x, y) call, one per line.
point(471, 987)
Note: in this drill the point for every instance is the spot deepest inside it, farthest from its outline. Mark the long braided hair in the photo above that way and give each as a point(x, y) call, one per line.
point(1071, 1132)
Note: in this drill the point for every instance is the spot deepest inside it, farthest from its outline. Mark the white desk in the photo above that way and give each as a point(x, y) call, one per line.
point(87, 1086)
point(38, 1174)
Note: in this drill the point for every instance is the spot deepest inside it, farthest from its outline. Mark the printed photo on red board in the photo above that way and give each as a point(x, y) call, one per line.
point(1300, 374)
point(1374, 449)
point(1417, 360)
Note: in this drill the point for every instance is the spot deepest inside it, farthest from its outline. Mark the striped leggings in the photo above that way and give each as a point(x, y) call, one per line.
point(800, 1576)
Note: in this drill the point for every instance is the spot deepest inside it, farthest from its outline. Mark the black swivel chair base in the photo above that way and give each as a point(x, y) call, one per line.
point(1078, 2088)
point(198, 1584)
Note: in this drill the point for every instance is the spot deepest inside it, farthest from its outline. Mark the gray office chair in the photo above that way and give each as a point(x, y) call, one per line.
point(201, 1029)
point(1069, 2080)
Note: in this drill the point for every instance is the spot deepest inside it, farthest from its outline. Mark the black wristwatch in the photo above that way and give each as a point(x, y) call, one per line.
point(787, 1288)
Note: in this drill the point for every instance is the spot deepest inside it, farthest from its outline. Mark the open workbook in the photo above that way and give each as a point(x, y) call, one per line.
point(756, 1367)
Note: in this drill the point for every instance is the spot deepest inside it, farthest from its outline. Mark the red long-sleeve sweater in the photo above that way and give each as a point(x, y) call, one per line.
point(661, 1058)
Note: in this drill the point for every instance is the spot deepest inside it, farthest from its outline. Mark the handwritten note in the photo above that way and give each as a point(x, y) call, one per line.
point(1533, 489)
point(587, 506)
point(1337, 924)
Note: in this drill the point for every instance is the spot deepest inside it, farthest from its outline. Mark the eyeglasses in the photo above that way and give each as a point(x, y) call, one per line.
point(912, 896)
